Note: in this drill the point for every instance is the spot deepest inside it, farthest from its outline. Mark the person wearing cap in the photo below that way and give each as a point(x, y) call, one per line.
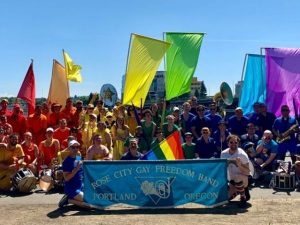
point(237, 123)
point(37, 124)
point(119, 133)
point(48, 149)
point(11, 157)
point(221, 135)
point(18, 121)
point(73, 176)
point(68, 111)
point(175, 113)
point(133, 153)
point(54, 117)
point(266, 151)
point(3, 108)
point(188, 147)
point(98, 151)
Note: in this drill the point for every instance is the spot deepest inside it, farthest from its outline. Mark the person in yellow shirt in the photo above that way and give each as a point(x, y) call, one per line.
point(105, 134)
point(11, 157)
point(98, 151)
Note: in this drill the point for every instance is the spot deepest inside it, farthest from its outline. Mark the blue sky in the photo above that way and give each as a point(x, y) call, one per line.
point(96, 35)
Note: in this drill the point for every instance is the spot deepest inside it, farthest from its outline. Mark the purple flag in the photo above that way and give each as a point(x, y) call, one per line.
point(283, 79)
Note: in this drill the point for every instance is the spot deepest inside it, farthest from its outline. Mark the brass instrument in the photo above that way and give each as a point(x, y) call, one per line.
point(225, 94)
point(286, 135)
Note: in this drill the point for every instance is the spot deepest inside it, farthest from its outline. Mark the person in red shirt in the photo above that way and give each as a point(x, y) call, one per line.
point(3, 107)
point(68, 111)
point(77, 119)
point(18, 121)
point(37, 124)
point(5, 125)
point(62, 132)
point(54, 117)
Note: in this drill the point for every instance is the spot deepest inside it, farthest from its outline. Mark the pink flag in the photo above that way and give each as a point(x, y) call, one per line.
point(27, 90)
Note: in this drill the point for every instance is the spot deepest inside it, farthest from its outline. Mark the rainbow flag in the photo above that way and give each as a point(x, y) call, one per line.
point(168, 149)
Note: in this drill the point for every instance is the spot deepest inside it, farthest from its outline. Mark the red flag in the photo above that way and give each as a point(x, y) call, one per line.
point(27, 90)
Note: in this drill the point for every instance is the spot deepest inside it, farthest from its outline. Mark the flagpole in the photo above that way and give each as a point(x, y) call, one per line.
point(128, 52)
point(243, 70)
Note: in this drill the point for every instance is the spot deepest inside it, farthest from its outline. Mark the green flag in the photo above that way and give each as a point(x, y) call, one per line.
point(181, 62)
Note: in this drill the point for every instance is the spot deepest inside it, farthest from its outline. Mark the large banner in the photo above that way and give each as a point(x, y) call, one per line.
point(155, 184)
point(254, 84)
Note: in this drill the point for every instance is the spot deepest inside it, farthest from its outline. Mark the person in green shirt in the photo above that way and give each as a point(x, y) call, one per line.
point(169, 127)
point(188, 147)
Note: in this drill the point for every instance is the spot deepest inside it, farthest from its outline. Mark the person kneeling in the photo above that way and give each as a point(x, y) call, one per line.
point(73, 177)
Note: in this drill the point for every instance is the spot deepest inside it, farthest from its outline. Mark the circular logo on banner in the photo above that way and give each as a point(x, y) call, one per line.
point(108, 94)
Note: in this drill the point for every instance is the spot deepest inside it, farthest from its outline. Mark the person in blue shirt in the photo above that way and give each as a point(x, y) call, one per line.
point(281, 125)
point(200, 121)
point(238, 123)
point(186, 118)
point(133, 153)
point(73, 176)
point(205, 146)
point(214, 117)
point(266, 151)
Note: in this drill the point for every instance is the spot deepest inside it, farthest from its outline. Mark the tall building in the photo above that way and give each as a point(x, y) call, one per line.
point(238, 89)
point(196, 85)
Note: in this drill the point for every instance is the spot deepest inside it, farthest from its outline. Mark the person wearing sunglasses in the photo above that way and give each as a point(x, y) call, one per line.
point(283, 128)
point(73, 176)
point(238, 170)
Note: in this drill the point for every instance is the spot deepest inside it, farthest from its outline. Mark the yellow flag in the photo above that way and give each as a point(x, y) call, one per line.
point(144, 59)
point(72, 70)
point(59, 87)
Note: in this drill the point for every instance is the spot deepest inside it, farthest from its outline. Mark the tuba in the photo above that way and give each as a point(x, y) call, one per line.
point(225, 96)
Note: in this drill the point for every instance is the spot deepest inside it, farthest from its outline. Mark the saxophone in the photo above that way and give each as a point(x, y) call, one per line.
point(286, 135)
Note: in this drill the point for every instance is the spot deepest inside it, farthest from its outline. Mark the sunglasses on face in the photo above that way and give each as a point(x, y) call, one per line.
point(74, 147)
point(233, 142)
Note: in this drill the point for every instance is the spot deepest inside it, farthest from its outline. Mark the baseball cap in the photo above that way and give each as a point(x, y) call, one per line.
point(50, 129)
point(73, 142)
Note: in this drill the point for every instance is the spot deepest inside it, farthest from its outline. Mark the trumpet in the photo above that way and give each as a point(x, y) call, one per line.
point(286, 135)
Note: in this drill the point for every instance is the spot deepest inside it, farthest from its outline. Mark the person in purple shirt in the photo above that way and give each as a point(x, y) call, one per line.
point(238, 122)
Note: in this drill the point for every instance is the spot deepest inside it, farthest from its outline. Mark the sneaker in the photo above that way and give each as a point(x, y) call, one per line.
point(247, 194)
point(243, 203)
point(63, 201)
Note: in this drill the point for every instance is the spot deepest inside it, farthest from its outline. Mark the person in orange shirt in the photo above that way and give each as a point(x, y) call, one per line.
point(31, 152)
point(45, 109)
point(5, 125)
point(37, 124)
point(77, 119)
point(68, 111)
point(3, 107)
point(62, 132)
point(48, 149)
point(18, 121)
point(54, 117)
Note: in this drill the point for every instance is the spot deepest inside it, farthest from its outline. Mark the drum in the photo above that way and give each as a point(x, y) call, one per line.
point(46, 181)
point(58, 177)
point(284, 181)
point(24, 180)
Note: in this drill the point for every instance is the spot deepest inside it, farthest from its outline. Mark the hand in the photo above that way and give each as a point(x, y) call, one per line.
point(78, 165)
point(13, 166)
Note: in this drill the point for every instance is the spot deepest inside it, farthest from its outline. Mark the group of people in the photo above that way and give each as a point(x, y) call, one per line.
point(63, 135)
